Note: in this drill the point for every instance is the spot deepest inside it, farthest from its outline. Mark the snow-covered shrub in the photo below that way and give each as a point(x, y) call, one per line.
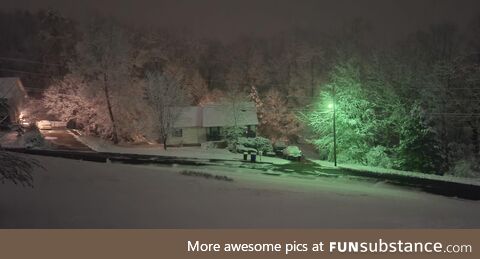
point(257, 143)
point(352, 155)
point(248, 142)
point(232, 134)
point(34, 139)
point(465, 168)
point(263, 144)
point(378, 157)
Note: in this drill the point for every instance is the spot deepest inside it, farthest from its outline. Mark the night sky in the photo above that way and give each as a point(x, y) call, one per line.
point(228, 19)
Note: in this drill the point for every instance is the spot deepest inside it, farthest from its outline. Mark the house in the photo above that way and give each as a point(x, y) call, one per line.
point(188, 129)
point(217, 117)
point(12, 100)
point(197, 124)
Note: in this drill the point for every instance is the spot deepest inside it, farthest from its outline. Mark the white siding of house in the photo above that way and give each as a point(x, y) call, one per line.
point(13, 91)
point(190, 136)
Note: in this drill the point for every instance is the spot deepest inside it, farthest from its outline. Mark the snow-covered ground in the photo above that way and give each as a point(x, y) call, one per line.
point(100, 145)
point(11, 140)
point(378, 170)
point(78, 194)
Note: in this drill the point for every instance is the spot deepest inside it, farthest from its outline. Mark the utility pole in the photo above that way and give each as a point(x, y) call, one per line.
point(334, 130)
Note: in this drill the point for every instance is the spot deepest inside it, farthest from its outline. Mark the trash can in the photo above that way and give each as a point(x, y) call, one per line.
point(253, 157)
point(245, 156)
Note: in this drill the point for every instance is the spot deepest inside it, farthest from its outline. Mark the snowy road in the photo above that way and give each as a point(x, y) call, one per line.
point(78, 194)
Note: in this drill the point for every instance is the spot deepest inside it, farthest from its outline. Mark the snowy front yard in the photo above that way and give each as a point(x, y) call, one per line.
point(77, 194)
point(100, 145)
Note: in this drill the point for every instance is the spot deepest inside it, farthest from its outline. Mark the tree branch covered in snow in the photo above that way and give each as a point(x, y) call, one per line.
point(17, 169)
point(71, 100)
point(277, 121)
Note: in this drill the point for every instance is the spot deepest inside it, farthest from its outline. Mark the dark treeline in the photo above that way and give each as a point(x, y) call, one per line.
point(411, 105)
point(36, 46)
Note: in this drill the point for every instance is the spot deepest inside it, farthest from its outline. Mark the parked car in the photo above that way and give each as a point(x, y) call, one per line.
point(48, 125)
point(292, 153)
point(278, 147)
point(44, 125)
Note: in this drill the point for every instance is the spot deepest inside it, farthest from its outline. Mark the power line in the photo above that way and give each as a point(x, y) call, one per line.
point(25, 72)
point(28, 61)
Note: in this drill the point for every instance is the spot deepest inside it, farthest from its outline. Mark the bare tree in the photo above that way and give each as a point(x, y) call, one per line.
point(166, 97)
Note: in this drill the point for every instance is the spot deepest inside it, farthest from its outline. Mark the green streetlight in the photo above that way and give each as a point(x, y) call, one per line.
point(332, 106)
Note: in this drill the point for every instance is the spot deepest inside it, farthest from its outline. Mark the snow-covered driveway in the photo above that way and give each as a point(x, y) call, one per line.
point(62, 139)
point(78, 194)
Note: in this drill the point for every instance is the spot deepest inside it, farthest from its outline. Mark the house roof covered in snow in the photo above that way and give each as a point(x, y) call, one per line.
point(189, 117)
point(217, 115)
point(11, 87)
point(228, 114)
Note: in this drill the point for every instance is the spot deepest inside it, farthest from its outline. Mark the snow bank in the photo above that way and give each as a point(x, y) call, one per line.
point(10, 139)
point(378, 170)
point(29, 139)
